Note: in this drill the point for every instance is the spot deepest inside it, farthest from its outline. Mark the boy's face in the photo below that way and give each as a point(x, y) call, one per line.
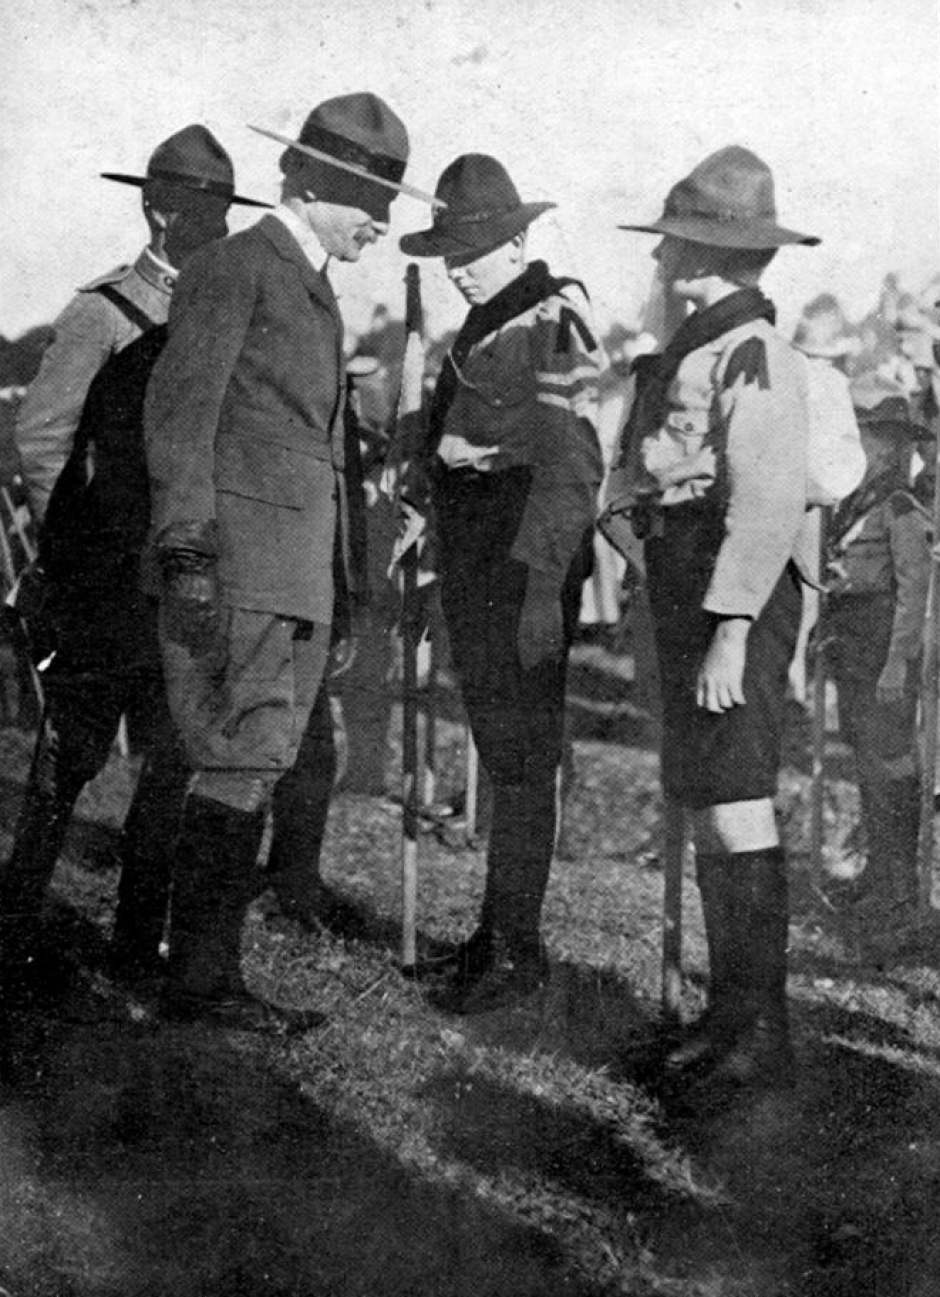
point(480, 278)
point(683, 266)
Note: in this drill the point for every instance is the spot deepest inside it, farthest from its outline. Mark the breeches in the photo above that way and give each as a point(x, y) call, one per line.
point(243, 713)
point(710, 758)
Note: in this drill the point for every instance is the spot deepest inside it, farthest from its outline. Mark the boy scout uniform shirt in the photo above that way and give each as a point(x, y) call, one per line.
point(733, 432)
point(887, 551)
point(527, 397)
point(87, 333)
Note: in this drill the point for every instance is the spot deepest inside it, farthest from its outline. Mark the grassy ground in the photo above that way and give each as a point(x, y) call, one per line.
point(397, 1152)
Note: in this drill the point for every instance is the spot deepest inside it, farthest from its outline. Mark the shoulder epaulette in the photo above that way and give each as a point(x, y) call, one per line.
point(568, 318)
point(111, 277)
point(749, 362)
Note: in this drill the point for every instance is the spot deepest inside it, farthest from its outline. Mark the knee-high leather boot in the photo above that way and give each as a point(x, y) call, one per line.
point(40, 833)
point(212, 887)
point(213, 882)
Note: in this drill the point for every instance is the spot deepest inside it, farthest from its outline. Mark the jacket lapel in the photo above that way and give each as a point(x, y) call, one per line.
point(287, 246)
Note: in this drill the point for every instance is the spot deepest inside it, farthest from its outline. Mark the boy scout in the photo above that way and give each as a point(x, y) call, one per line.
point(516, 467)
point(716, 451)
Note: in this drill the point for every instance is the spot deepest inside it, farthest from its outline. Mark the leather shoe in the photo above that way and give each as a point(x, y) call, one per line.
point(760, 1059)
point(324, 910)
point(707, 1041)
point(512, 974)
point(465, 960)
point(239, 1012)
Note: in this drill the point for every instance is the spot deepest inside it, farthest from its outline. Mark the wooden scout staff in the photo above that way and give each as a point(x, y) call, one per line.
point(930, 705)
point(408, 434)
point(616, 524)
point(818, 696)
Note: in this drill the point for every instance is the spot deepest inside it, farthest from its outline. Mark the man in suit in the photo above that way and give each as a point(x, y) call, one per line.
point(245, 445)
point(105, 662)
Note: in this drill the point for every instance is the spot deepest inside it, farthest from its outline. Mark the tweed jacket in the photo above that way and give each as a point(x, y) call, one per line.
point(527, 397)
point(733, 433)
point(243, 424)
point(87, 333)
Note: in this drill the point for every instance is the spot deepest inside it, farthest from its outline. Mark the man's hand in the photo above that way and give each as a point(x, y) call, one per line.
point(541, 634)
point(891, 682)
point(720, 683)
point(191, 605)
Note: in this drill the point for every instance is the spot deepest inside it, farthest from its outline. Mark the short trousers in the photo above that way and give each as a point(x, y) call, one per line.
point(709, 758)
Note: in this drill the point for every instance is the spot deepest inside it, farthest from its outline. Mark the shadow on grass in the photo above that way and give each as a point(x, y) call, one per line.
point(143, 1162)
point(835, 1189)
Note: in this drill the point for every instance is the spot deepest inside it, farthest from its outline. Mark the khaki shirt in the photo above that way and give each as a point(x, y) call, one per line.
point(87, 333)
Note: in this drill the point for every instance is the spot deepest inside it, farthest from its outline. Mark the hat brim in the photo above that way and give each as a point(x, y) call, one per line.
point(139, 181)
point(725, 234)
point(450, 239)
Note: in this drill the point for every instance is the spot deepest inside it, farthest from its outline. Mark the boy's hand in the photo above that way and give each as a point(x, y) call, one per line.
point(720, 683)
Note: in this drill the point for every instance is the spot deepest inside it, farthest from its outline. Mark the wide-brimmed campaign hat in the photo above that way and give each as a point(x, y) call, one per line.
point(479, 209)
point(193, 157)
point(359, 148)
point(727, 202)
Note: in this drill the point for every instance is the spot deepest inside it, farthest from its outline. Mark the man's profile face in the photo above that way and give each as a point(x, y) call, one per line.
point(193, 219)
point(345, 231)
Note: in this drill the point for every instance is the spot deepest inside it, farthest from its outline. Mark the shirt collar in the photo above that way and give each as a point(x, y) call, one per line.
point(156, 272)
point(311, 245)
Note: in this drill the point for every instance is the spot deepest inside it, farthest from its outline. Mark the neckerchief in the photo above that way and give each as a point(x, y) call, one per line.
point(655, 373)
point(527, 290)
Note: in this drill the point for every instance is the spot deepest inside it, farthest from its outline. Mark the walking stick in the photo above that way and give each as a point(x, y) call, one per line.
point(675, 832)
point(409, 758)
point(929, 709)
point(430, 707)
point(818, 759)
point(473, 787)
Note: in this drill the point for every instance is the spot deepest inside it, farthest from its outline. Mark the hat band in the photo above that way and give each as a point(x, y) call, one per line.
point(472, 218)
point(721, 216)
point(346, 150)
point(220, 187)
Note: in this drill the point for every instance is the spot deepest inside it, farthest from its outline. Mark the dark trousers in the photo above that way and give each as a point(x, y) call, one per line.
point(80, 721)
point(516, 716)
point(883, 737)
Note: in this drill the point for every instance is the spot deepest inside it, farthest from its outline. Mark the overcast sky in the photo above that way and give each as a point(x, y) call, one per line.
point(598, 104)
